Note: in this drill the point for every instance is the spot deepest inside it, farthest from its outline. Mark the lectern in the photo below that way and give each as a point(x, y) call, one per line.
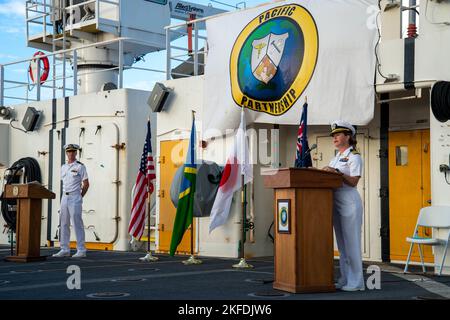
point(304, 229)
point(28, 221)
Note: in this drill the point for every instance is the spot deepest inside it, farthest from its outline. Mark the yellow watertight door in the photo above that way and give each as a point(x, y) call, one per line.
point(172, 156)
point(409, 190)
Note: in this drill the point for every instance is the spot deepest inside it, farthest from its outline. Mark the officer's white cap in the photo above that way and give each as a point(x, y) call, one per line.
point(342, 126)
point(71, 147)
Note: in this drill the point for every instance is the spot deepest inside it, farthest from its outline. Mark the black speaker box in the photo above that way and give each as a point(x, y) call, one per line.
point(30, 119)
point(158, 97)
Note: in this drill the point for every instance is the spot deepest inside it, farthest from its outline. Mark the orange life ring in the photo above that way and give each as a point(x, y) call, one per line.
point(32, 69)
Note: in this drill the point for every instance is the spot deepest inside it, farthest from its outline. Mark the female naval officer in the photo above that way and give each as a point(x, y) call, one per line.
point(347, 210)
point(75, 184)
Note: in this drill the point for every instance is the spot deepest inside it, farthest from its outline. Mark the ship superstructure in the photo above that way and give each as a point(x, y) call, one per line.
point(76, 92)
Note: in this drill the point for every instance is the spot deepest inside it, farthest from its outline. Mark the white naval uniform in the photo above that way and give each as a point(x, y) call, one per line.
point(347, 220)
point(72, 175)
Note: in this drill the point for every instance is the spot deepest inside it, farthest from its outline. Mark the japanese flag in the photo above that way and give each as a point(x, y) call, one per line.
point(237, 164)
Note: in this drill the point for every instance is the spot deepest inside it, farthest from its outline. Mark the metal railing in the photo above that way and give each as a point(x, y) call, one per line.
point(56, 83)
point(45, 14)
point(189, 31)
point(191, 53)
point(178, 53)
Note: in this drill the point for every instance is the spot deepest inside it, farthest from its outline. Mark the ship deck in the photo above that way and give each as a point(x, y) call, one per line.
point(121, 275)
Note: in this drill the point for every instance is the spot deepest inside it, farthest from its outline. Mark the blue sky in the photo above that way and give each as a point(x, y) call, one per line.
point(13, 47)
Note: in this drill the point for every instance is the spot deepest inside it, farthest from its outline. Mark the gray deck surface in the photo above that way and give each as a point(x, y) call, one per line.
point(169, 279)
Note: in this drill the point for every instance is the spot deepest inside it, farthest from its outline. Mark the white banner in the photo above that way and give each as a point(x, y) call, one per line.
point(271, 57)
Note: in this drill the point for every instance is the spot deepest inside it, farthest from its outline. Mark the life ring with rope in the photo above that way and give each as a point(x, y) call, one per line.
point(44, 65)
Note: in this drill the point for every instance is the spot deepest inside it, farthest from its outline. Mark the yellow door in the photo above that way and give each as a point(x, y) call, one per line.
point(409, 190)
point(172, 156)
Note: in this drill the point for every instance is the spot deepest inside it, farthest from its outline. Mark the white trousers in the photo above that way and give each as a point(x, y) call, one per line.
point(71, 210)
point(347, 222)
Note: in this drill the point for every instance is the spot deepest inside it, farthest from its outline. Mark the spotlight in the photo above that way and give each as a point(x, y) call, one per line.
point(6, 113)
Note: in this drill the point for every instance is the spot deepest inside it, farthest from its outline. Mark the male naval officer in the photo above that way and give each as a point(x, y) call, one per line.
point(75, 185)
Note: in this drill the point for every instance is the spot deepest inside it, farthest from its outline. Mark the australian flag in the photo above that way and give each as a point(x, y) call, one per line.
point(303, 156)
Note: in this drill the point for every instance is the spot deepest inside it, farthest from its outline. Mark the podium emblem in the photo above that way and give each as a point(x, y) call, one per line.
point(15, 191)
point(283, 213)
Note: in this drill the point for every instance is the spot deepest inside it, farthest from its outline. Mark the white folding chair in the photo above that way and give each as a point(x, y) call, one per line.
point(431, 217)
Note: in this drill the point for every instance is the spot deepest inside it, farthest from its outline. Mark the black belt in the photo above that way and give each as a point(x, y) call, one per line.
point(69, 193)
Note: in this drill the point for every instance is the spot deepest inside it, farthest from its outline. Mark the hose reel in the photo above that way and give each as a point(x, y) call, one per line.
point(22, 171)
point(440, 101)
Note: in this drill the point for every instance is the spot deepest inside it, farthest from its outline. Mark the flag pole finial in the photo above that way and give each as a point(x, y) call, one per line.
point(193, 114)
point(306, 99)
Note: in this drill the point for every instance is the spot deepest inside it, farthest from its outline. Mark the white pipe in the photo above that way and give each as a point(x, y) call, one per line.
point(117, 183)
point(75, 73)
point(44, 24)
point(168, 67)
point(195, 50)
point(400, 86)
point(120, 64)
point(38, 78)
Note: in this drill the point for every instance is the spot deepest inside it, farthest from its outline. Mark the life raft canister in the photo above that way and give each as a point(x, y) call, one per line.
point(43, 64)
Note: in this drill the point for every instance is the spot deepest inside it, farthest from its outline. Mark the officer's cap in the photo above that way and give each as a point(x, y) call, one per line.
point(342, 126)
point(71, 147)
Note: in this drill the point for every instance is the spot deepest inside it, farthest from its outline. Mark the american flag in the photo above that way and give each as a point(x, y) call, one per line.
point(142, 188)
point(302, 161)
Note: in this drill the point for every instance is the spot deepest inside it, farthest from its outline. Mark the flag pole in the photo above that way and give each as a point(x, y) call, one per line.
point(192, 259)
point(242, 263)
point(149, 257)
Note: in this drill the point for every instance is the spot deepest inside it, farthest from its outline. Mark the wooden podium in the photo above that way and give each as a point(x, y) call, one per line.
point(28, 221)
point(303, 229)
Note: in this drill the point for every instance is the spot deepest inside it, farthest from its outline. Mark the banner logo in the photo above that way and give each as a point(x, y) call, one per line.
point(273, 59)
point(266, 56)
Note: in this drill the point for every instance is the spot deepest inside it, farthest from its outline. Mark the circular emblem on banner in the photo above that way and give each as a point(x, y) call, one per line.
point(273, 59)
point(15, 191)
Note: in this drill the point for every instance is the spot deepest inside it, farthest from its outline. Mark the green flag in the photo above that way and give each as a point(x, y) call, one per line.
point(185, 209)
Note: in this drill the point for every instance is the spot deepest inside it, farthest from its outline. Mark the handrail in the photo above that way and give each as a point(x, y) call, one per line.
point(173, 51)
point(126, 39)
point(68, 53)
point(191, 51)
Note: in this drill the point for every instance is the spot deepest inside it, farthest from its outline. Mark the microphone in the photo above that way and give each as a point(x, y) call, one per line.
point(314, 146)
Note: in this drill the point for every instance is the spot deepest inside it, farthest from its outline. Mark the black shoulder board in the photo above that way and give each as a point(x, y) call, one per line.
point(80, 162)
point(355, 151)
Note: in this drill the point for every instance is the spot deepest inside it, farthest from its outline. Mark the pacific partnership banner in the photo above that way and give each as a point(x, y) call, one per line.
point(269, 58)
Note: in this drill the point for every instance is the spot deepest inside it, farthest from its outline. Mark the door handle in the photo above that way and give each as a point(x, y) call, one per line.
point(429, 201)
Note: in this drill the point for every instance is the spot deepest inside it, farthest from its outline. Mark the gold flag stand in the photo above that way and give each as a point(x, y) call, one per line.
point(192, 259)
